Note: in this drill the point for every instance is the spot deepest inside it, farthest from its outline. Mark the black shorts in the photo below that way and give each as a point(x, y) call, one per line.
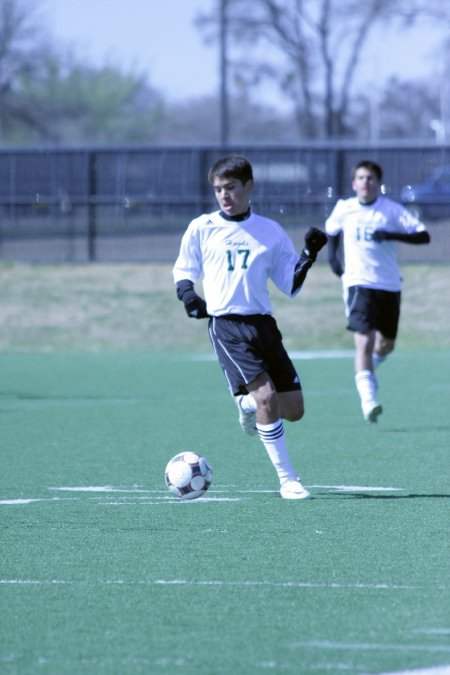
point(370, 309)
point(246, 346)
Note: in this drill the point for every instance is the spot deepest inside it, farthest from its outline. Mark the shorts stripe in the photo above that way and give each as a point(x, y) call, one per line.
point(350, 307)
point(225, 352)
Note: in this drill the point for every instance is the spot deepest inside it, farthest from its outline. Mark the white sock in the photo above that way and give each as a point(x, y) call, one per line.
point(274, 439)
point(248, 403)
point(366, 384)
point(378, 359)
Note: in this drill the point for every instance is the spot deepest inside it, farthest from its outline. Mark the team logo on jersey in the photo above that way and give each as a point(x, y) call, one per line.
point(237, 244)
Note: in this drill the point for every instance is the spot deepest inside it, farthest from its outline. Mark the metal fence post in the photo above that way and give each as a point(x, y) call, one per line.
point(92, 206)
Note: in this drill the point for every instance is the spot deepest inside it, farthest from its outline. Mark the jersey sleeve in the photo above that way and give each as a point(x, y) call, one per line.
point(284, 261)
point(188, 264)
point(409, 223)
point(333, 224)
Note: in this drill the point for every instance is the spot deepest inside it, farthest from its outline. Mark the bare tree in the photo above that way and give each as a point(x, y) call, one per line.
point(23, 46)
point(312, 49)
point(49, 95)
point(400, 121)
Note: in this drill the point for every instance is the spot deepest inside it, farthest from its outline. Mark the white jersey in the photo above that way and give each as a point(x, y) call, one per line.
point(235, 259)
point(367, 262)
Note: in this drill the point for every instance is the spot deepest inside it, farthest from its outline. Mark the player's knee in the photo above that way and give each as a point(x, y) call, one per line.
point(270, 401)
point(385, 347)
point(294, 413)
point(266, 399)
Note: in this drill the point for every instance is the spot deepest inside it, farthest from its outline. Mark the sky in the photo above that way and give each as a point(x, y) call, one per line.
point(154, 36)
point(158, 37)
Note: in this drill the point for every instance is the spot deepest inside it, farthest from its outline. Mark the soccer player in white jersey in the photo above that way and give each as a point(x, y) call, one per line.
point(370, 226)
point(235, 252)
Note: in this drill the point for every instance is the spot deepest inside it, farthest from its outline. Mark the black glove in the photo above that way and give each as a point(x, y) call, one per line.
point(194, 305)
point(315, 239)
point(382, 235)
point(301, 270)
point(421, 237)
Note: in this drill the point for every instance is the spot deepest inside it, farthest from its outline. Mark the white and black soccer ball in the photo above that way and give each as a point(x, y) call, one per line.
point(188, 475)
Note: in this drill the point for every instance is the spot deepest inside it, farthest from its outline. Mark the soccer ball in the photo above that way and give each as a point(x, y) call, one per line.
point(188, 475)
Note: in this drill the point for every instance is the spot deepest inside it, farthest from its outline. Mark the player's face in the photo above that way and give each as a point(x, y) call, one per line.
point(233, 196)
point(365, 184)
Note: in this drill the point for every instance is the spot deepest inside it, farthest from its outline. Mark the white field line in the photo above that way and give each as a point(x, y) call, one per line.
point(110, 488)
point(128, 501)
point(147, 496)
point(102, 488)
point(20, 502)
point(364, 646)
point(432, 631)
point(220, 583)
point(357, 488)
point(11, 502)
point(437, 670)
point(160, 501)
point(305, 355)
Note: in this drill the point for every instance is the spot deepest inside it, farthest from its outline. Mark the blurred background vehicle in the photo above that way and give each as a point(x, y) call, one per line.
point(430, 199)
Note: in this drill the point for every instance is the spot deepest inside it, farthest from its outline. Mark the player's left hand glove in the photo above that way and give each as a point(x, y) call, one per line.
point(315, 239)
point(420, 237)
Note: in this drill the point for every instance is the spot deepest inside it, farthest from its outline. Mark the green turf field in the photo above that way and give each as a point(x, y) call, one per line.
point(104, 572)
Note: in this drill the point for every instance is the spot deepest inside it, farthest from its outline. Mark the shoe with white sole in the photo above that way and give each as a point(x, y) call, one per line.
point(293, 489)
point(371, 411)
point(247, 419)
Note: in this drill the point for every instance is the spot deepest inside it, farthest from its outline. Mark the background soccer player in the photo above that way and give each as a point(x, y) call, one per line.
point(236, 252)
point(370, 226)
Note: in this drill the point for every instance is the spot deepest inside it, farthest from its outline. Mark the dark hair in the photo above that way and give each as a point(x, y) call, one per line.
point(371, 166)
point(233, 166)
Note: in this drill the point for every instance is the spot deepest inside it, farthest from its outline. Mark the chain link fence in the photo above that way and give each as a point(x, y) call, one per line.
point(132, 204)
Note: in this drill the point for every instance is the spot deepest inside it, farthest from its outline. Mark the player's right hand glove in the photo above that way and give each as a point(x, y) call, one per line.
point(382, 235)
point(315, 239)
point(194, 305)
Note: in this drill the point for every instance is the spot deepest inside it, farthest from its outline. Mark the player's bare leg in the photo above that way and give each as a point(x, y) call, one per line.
point(382, 348)
point(271, 407)
point(291, 405)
